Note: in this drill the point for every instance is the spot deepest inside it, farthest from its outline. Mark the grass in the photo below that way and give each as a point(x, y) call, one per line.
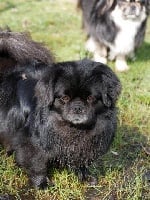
point(58, 25)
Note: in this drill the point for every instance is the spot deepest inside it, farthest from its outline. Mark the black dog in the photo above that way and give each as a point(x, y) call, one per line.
point(19, 56)
point(66, 119)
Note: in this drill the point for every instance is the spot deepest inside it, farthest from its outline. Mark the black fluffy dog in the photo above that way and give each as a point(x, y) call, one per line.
point(19, 56)
point(66, 119)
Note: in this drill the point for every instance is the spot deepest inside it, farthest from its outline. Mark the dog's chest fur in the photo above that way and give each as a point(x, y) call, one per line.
point(124, 42)
point(66, 145)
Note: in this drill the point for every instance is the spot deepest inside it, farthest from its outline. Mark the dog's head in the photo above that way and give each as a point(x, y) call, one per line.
point(79, 90)
point(131, 9)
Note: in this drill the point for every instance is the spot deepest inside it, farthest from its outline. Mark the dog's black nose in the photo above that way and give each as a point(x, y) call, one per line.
point(78, 109)
point(133, 7)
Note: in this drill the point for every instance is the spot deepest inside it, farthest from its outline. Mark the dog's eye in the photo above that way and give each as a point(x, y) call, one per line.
point(91, 99)
point(65, 99)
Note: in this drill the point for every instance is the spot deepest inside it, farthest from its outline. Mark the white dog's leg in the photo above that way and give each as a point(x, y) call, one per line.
point(121, 64)
point(99, 51)
point(90, 45)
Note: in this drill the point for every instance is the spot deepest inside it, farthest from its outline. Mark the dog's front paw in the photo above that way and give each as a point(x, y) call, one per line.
point(99, 58)
point(39, 182)
point(121, 65)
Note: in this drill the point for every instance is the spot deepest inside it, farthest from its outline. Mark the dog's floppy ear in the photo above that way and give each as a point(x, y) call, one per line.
point(44, 90)
point(103, 6)
point(109, 84)
point(111, 89)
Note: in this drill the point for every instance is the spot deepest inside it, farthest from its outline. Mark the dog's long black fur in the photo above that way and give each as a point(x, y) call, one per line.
point(21, 62)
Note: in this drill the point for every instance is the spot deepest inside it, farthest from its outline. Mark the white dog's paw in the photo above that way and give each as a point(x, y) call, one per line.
point(90, 45)
point(121, 65)
point(101, 59)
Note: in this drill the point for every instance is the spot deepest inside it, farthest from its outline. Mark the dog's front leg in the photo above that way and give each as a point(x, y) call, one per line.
point(37, 170)
point(121, 63)
point(99, 50)
point(34, 161)
point(39, 181)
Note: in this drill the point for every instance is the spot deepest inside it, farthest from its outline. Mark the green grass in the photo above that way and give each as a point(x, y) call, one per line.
point(57, 23)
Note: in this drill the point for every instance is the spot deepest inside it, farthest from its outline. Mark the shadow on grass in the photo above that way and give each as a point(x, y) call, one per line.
point(8, 6)
point(128, 144)
point(125, 151)
point(143, 53)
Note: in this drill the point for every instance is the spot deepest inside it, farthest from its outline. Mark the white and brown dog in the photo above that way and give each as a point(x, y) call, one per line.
point(115, 28)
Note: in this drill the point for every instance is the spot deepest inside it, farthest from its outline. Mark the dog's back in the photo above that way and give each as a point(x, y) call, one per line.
point(18, 49)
